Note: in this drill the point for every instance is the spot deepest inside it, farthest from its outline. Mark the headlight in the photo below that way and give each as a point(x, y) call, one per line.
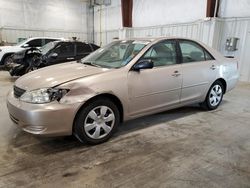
point(44, 95)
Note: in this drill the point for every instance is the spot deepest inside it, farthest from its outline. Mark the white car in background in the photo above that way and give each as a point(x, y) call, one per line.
point(7, 51)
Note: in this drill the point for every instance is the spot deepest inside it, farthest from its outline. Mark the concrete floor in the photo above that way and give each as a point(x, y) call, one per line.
point(187, 147)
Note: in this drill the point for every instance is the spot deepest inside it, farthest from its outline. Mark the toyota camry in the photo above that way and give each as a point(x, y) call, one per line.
point(124, 80)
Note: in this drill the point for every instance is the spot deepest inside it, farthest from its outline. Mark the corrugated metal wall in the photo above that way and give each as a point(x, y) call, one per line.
point(240, 28)
point(104, 37)
point(200, 30)
point(11, 35)
point(107, 22)
point(55, 18)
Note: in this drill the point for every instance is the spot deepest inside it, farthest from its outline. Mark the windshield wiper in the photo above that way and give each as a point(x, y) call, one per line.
point(91, 64)
point(96, 65)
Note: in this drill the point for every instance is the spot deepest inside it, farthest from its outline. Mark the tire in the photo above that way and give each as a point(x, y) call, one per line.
point(7, 62)
point(97, 121)
point(214, 96)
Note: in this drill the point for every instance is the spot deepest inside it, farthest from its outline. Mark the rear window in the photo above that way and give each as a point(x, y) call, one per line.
point(95, 47)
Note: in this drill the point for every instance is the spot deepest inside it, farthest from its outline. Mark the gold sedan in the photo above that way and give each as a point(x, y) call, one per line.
point(124, 80)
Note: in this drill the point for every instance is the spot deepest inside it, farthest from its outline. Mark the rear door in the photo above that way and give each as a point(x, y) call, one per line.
point(198, 69)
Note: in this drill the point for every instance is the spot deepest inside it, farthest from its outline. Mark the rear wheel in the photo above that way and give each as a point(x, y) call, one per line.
point(214, 96)
point(96, 122)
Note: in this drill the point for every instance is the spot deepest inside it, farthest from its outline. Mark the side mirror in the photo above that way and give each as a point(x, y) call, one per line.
point(143, 64)
point(25, 45)
point(53, 55)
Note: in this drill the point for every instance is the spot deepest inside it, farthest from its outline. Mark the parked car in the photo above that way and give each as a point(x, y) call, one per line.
point(122, 81)
point(7, 51)
point(52, 53)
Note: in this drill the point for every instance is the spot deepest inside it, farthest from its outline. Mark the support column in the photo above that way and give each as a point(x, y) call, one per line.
point(212, 8)
point(127, 8)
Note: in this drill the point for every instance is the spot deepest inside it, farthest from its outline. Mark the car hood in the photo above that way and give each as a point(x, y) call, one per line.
point(9, 48)
point(57, 74)
point(3, 47)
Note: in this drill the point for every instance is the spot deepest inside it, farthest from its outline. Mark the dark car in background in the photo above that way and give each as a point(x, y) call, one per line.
point(52, 53)
point(6, 52)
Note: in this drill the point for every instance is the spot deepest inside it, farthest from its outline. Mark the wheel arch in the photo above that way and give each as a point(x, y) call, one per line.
point(6, 55)
point(111, 97)
point(224, 83)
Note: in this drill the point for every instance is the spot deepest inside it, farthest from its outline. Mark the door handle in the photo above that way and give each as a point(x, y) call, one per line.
point(70, 58)
point(213, 67)
point(176, 73)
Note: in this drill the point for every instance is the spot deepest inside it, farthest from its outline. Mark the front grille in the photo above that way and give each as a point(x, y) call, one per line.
point(18, 91)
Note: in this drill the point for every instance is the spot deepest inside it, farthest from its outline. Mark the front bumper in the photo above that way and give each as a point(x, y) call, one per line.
point(51, 119)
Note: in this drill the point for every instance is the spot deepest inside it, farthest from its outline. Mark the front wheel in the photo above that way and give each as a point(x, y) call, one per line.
point(214, 96)
point(8, 62)
point(29, 69)
point(96, 122)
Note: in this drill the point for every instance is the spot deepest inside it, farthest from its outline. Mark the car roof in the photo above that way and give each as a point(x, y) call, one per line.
point(154, 39)
point(72, 41)
point(32, 38)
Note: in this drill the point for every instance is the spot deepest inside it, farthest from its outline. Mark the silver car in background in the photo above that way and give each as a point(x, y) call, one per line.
point(122, 81)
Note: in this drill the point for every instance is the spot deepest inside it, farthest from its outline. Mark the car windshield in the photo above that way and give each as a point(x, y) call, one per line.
point(22, 42)
point(47, 47)
point(115, 55)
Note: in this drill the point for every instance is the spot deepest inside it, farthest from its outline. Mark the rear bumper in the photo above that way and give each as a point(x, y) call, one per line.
point(231, 83)
point(51, 119)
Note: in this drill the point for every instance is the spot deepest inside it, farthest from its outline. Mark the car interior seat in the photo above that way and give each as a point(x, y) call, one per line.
point(197, 56)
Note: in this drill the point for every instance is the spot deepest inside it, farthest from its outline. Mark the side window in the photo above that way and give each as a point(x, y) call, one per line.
point(191, 52)
point(65, 50)
point(35, 43)
point(95, 47)
point(49, 40)
point(163, 53)
point(208, 56)
point(82, 48)
point(129, 52)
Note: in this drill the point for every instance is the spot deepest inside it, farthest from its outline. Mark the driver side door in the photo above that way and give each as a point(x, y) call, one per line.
point(159, 88)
